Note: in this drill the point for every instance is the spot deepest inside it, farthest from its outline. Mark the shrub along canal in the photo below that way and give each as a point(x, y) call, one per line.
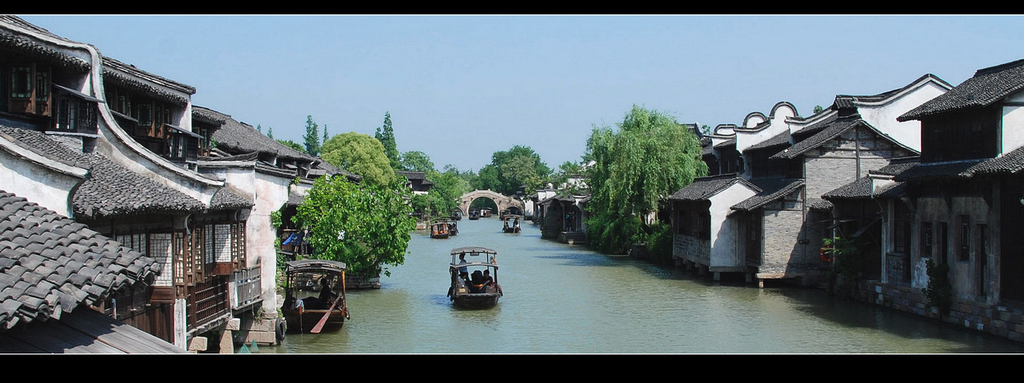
point(560, 298)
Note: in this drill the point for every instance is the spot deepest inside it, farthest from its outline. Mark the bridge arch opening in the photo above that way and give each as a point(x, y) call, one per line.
point(501, 201)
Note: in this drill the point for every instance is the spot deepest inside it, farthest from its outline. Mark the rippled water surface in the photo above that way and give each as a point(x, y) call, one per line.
point(567, 299)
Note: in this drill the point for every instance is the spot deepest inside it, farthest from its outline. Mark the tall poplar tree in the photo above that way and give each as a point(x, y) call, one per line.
point(312, 138)
point(386, 135)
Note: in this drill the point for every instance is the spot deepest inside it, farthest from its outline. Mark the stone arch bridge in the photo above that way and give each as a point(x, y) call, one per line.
point(503, 201)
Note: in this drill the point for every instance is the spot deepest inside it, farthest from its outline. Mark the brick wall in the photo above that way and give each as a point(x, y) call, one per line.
point(691, 249)
point(1001, 321)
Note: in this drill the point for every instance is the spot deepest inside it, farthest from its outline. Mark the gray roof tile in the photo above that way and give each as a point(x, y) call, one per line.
point(704, 187)
point(38, 271)
point(105, 192)
point(830, 130)
point(986, 87)
point(236, 138)
point(771, 190)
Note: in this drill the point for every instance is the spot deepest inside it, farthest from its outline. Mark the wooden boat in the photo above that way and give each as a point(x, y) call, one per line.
point(511, 224)
point(314, 293)
point(474, 215)
point(440, 228)
point(474, 281)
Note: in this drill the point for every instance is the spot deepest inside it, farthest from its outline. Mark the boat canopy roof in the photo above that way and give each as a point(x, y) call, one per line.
point(305, 265)
point(473, 249)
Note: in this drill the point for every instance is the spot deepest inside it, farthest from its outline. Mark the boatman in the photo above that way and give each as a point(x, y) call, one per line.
point(464, 270)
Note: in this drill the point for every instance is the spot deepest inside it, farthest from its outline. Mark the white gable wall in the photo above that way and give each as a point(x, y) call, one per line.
point(726, 252)
point(777, 124)
point(1012, 123)
point(883, 115)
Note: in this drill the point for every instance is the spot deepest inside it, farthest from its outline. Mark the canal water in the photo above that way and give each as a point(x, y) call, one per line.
point(560, 298)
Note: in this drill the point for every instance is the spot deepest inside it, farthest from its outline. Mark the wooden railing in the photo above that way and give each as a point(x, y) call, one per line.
point(208, 301)
point(247, 288)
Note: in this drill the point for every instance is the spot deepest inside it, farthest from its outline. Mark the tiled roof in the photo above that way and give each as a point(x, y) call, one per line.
point(819, 204)
point(561, 196)
point(45, 52)
point(110, 189)
point(815, 127)
point(1009, 163)
point(831, 131)
point(130, 77)
point(938, 170)
point(731, 141)
point(208, 116)
point(84, 332)
point(228, 198)
point(704, 187)
point(988, 86)
point(327, 168)
point(50, 263)
point(236, 137)
point(779, 140)
point(771, 190)
point(863, 186)
point(411, 175)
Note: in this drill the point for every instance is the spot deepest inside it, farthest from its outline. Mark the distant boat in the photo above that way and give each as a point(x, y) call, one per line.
point(440, 229)
point(511, 223)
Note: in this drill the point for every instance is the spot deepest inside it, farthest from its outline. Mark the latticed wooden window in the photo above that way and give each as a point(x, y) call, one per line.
point(199, 250)
point(238, 245)
point(183, 251)
point(223, 243)
point(161, 247)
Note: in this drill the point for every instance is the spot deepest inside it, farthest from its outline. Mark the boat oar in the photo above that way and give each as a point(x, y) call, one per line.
point(320, 325)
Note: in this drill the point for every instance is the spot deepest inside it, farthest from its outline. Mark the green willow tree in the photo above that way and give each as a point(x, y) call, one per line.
point(649, 157)
point(365, 226)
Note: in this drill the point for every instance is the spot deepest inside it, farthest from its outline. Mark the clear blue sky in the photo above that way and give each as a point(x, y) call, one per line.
point(460, 87)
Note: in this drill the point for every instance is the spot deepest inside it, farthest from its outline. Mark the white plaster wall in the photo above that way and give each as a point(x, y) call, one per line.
point(38, 183)
point(883, 116)
point(1013, 124)
point(725, 230)
point(781, 112)
point(271, 193)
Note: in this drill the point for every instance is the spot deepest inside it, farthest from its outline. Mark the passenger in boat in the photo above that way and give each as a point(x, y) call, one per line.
point(326, 295)
point(487, 279)
point(476, 283)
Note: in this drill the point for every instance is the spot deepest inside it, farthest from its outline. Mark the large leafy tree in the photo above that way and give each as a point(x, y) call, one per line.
point(512, 169)
point(649, 157)
point(312, 138)
point(416, 161)
point(366, 226)
point(361, 154)
point(386, 135)
point(448, 187)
